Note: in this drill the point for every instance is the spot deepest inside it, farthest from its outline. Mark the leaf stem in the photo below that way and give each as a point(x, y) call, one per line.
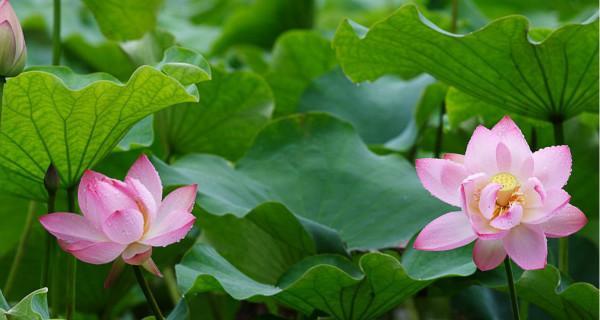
point(563, 243)
point(511, 288)
point(14, 268)
point(440, 132)
point(147, 292)
point(454, 16)
point(71, 265)
point(51, 182)
point(2, 82)
point(56, 41)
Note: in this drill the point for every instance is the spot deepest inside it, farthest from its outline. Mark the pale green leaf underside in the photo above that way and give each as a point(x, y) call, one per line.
point(499, 64)
point(318, 167)
point(125, 19)
point(33, 307)
point(185, 65)
point(323, 284)
point(73, 121)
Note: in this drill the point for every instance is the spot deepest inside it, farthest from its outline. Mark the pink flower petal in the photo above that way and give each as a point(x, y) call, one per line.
point(487, 200)
point(124, 226)
point(526, 170)
point(488, 254)
point(510, 135)
point(442, 178)
point(144, 171)
point(95, 253)
point(555, 199)
point(449, 231)
point(171, 230)
point(526, 246)
point(553, 166)
point(565, 222)
point(454, 157)
point(509, 219)
point(136, 254)
point(503, 158)
point(71, 227)
point(468, 189)
point(7, 14)
point(484, 230)
point(100, 196)
point(143, 198)
point(534, 193)
point(181, 199)
point(481, 151)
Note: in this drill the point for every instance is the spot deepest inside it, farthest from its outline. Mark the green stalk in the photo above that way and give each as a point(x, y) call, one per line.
point(147, 293)
point(14, 268)
point(171, 282)
point(51, 183)
point(437, 151)
point(56, 44)
point(2, 82)
point(511, 288)
point(454, 16)
point(71, 265)
point(563, 243)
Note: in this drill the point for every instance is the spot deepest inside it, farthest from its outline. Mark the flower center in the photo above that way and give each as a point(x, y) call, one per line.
point(509, 193)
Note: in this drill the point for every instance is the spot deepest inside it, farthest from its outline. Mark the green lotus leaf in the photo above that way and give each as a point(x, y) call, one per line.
point(552, 292)
point(299, 57)
point(233, 108)
point(261, 22)
point(553, 80)
point(329, 283)
point(73, 121)
point(185, 65)
point(33, 307)
point(380, 111)
point(125, 19)
point(318, 167)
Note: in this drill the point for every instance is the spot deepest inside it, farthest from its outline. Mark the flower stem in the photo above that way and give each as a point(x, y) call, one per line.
point(56, 42)
point(147, 293)
point(511, 288)
point(71, 265)
point(563, 243)
point(14, 268)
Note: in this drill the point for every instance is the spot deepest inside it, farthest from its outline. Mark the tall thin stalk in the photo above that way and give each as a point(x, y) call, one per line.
point(71, 265)
point(439, 137)
point(563, 243)
point(51, 183)
point(56, 42)
point(2, 82)
point(147, 292)
point(512, 290)
point(14, 268)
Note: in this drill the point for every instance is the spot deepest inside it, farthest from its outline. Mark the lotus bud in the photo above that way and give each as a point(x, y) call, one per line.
point(13, 53)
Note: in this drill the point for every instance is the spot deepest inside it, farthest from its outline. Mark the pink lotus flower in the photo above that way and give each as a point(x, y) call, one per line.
point(13, 53)
point(511, 199)
point(123, 218)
